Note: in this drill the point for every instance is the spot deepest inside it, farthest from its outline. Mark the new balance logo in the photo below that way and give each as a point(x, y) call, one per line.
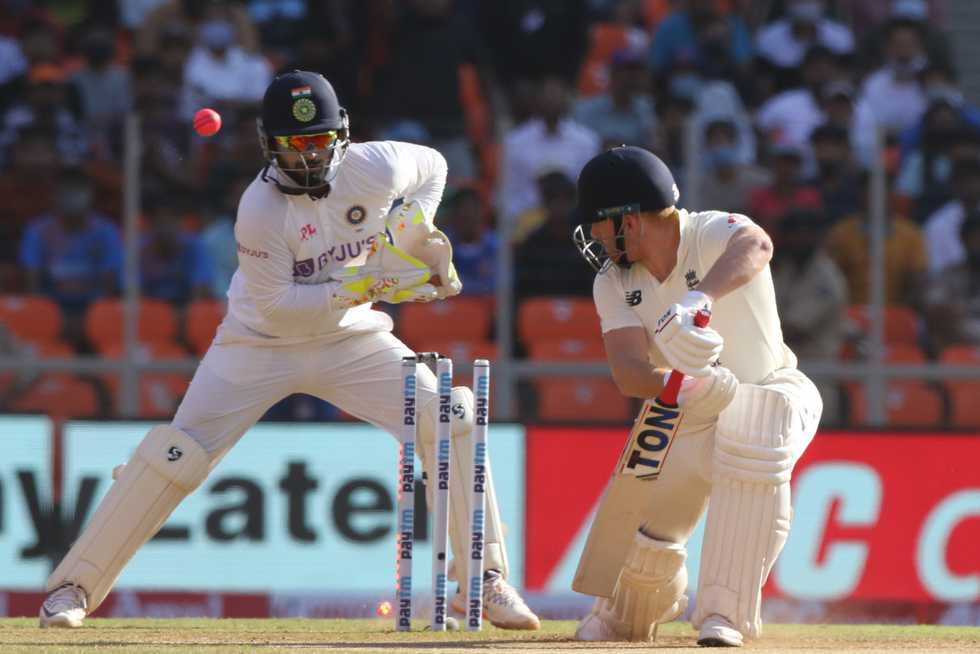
point(174, 453)
point(633, 298)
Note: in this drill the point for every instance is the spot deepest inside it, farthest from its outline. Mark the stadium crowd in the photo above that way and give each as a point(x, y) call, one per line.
point(782, 99)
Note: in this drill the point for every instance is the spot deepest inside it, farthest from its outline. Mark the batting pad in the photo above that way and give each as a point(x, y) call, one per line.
point(460, 481)
point(749, 509)
point(649, 590)
point(165, 468)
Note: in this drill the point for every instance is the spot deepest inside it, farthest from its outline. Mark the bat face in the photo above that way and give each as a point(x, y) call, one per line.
point(649, 444)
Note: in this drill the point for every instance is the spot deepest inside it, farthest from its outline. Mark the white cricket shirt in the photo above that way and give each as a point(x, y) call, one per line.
point(746, 318)
point(289, 246)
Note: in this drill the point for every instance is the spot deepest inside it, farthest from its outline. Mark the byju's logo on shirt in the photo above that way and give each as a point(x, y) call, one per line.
point(335, 253)
point(633, 298)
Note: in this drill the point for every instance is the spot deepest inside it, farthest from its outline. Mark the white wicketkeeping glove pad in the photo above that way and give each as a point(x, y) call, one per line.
point(411, 233)
point(387, 275)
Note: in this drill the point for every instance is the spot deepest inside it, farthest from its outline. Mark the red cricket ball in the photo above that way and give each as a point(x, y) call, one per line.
point(207, 122)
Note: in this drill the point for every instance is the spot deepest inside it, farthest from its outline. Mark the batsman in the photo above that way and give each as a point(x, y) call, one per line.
point(318, 243)
point(688, 295)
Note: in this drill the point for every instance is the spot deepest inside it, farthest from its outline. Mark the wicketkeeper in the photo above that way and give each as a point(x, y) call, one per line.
point(312, 257)
point(746, 412)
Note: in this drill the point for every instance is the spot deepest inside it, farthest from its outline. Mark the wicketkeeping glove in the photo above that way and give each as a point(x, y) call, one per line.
point(388, 275)
point(411, 233)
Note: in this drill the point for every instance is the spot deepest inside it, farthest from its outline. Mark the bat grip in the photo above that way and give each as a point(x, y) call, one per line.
point(673, 386)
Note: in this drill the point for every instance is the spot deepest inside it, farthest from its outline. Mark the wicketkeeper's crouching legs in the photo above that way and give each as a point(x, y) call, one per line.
point(506, 609)
point(166, 467)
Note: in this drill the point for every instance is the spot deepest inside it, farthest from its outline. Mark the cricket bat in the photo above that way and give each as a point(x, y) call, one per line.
point(622, 507)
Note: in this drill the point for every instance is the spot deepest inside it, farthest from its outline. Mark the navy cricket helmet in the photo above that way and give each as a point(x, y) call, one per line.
point(621, 180)
point(301, 114)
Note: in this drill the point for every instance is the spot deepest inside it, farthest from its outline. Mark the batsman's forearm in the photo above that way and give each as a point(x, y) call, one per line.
point(747, 253)
point(639, 379)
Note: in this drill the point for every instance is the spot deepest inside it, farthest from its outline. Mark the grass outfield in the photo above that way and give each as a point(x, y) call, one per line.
point(376, 636)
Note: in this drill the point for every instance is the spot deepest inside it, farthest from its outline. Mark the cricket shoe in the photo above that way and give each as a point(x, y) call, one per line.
point(716, 631)
point(64, 607)
point(502, 606)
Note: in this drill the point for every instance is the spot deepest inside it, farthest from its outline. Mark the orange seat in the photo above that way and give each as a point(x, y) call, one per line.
point(59, 395)
point(465, 318)
point(201, 323)
point(963, 393)
point(901, 323)
point(104, 322)
point(461, 351)
point(159, 392)
point(31, 318)
point(568, 349)
point(549, 318)
point(589, 399)
point(908, 403)
point(38, 350)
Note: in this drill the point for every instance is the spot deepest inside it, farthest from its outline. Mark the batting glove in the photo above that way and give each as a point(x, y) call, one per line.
point(703, 398)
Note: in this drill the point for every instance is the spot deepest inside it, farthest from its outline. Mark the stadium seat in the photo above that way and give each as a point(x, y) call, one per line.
point(550, 318)
point(59, 395)
point(460, 351)
point(104, 322)
point(901, 323)
point(201, 323)
point(159, 392)
point(568, 349)
point(464, 318)
point(40, 350)
point(31, 318)
point(586, 399)
point(908, 403)
point(963, 393)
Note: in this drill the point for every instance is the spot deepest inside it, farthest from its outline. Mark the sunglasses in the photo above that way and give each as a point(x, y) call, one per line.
point(305, 142)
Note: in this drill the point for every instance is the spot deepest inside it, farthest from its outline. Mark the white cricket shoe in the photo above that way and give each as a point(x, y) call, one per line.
point(64, 607)
point(716, 631)
point(593, 628)
point(502, 606)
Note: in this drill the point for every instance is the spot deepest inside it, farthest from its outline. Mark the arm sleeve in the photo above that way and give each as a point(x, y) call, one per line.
point(266, 263)
point(420, 175)
point(714, 233)
point(610, 303)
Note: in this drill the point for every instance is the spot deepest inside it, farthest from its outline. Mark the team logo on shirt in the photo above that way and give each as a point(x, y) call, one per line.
point(356, 215)
point(691, 278)
point(306, 232)
point(304, 268)
point(633, 298)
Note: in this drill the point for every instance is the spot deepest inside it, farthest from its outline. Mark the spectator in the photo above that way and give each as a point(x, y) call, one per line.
point(625, 115)
point(424, 88)
point(784, 42)
point(219, 70)
point(187, 16)
point(672, 116)
point(838, 175)
point(474, 244)
point(25, 187)
point(893, 94)
point(45, 107)
point(953, 295)
point(940, 88)
point(166, 136)
point(811, 295)
point(905, 255)
point(218, 235)
point(546, 264)
point(13, 64)
point(550, 141)
point(789, 117)
point(788, 192)
point(928, 18)
point(719, 100)
point(102, 87)
point(280, 22)
point(72, 255)
point(943, 228)
point(697, 32)
point(532, 40)
point(725, 181)
point(622, 28)
point(174, 265)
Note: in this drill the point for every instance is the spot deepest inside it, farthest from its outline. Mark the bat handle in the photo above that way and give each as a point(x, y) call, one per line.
point(673, 386)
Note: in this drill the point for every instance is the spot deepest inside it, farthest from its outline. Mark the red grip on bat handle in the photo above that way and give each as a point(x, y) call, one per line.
point(673, 385)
